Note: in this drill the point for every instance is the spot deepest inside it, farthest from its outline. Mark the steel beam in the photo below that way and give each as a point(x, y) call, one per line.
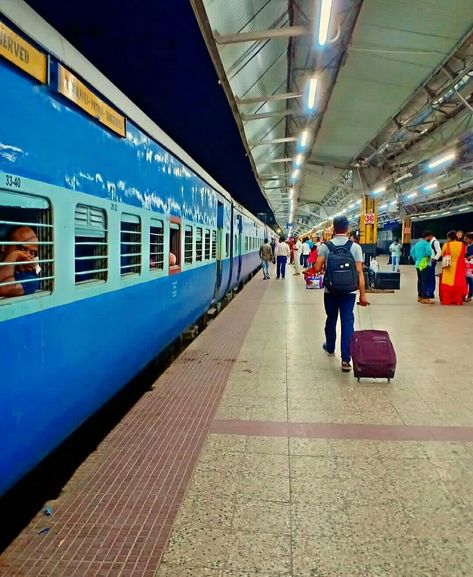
point(264, 115)
point(256, 36)
point(274, 160)
point(269, 98)
point(274, 141)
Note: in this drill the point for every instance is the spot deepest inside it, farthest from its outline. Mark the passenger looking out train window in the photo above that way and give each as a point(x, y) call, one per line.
point(19, 268)
point(174, 244)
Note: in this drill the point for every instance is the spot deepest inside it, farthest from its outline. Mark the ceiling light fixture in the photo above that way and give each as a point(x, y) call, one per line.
point(446, 212)
point(379, 190)
point(299, 159)
point(304, 137)
point(295, 174)
point(432, 186)
point(464, 208)
point(394, 202)
point(403, 177)
point(442, 160)
point(383, 206)
point(312, 93)
point(412, 195)
point(325, 10)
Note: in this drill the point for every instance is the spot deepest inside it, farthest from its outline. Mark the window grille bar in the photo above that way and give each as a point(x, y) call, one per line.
point(91, 243)
point(17, 242)
point(38, 279)
point(91, 271)
point(103, 257)
point(44, 260)
point(18, 223)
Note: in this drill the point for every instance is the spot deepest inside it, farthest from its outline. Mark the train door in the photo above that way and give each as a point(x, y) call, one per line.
point(238, 244)
point(220, 244)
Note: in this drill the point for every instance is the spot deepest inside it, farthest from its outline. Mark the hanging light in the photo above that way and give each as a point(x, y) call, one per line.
point(304, 137)
point(312, 93)
point(324, 21)
point(441, 160)
point(379, 190)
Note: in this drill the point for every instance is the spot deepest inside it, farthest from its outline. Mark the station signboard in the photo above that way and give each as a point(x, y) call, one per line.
point(76, 91)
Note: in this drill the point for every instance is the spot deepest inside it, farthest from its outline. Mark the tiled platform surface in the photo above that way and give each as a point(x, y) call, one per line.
point(306, 473)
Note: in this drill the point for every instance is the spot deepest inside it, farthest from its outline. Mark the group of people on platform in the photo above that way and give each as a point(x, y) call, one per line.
point(301, 253)
point(456, 259)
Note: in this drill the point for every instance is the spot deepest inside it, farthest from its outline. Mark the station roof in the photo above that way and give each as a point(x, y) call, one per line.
point(382, 62)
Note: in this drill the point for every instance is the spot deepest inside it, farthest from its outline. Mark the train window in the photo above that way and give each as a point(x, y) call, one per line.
point(91, 249)
point(188, 244)
point(207, 244)
point(214, 244)
point(174, 244)
point(130, 244)
point(26, 239)
point(246, 243)
point(235, 247)
point(227, 244)
point(156, 245)
point(198, 244)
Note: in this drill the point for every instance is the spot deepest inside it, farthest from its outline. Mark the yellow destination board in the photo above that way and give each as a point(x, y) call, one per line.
point(76, 91)
point(22, 54)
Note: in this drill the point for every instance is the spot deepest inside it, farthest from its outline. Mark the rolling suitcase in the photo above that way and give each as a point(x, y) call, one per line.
point(373, 355)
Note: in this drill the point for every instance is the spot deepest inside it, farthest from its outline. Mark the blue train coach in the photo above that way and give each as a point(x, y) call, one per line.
point(112, 240)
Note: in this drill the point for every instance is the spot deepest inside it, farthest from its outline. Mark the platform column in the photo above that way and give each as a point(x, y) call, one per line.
point(369, 226)
point(406, 236)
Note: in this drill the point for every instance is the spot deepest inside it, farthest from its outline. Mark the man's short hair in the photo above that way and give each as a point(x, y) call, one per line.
point(427, 233)
point(340, 224)
point(265, 240)
point(282, 238)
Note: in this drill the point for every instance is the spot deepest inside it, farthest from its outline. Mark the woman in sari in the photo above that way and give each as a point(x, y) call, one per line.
point(453, 279)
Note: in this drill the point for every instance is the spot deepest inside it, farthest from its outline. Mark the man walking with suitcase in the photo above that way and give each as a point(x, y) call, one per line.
point(343, 260)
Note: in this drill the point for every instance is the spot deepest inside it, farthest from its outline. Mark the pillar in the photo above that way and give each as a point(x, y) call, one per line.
point(369, 227)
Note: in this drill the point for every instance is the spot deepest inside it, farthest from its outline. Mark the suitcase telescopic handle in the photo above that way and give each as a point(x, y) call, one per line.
point(370, 318)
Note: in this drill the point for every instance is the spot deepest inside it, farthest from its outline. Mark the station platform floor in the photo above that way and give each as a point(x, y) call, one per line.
point(255, 456)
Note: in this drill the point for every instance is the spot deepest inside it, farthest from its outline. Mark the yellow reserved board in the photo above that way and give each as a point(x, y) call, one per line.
point(76, 91)
point(22, 54)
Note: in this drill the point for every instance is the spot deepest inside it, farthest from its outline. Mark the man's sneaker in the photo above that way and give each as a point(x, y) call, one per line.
point(330, 354)
point(346, 367)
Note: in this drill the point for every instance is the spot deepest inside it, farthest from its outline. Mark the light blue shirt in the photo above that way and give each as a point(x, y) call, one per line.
point(420, 250)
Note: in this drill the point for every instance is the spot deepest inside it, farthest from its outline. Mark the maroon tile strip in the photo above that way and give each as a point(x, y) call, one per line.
point(115, 515)
point(343, 431)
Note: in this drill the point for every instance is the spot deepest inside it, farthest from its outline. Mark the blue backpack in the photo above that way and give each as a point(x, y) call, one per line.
point(341, 276)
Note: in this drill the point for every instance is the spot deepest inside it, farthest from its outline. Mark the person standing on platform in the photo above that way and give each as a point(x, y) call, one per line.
point(469, 265)
point(305, 252)
point(436, 256)
point(266, 256)
point(453, 279)
point(282, 253)
point(395, 249)
point(297, 256)
point(421, 253)
point(337, 302)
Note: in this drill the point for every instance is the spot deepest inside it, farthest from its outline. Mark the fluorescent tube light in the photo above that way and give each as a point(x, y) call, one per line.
point(379, 190)
point(441, 160)
point(312, 93)
point(383, 206)
point(432, 186)
point(304, 137)
point(295, 174)
point(403, 177)
point(325, 10)
point(299, 159)
point(412, 195)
